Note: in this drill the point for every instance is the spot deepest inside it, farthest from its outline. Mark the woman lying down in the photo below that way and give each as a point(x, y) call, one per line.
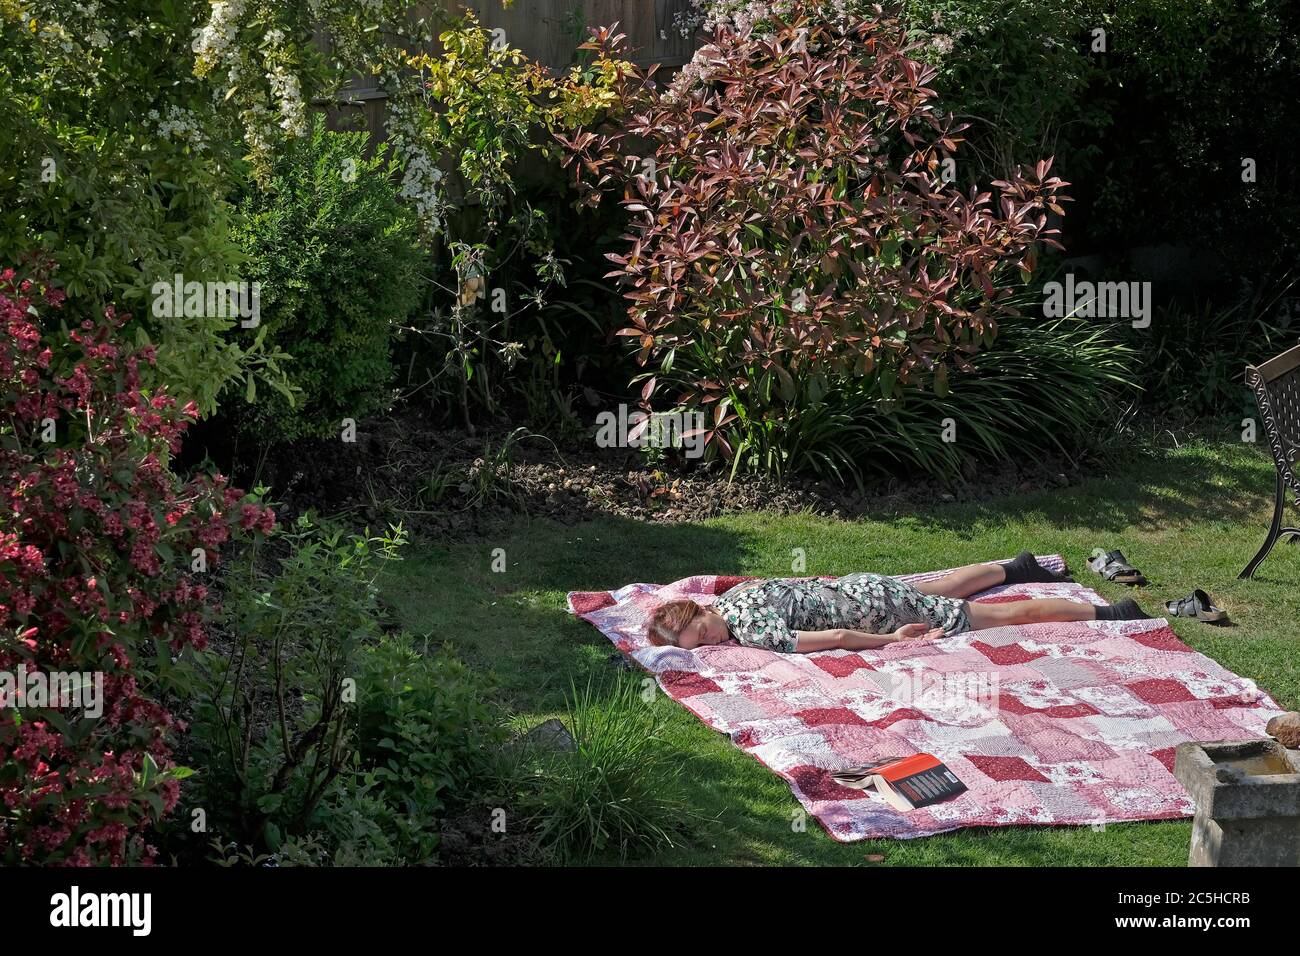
point(863, 611)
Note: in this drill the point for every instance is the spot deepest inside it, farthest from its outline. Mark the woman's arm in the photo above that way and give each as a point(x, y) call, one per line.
point(840, 638)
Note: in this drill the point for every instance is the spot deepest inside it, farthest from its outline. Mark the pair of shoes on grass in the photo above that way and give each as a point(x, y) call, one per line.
point(1113, 566)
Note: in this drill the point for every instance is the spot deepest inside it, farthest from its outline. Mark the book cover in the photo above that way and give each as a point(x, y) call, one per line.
point(906, 783)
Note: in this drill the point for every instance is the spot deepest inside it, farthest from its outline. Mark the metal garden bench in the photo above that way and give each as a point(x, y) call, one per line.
point(1276, 384)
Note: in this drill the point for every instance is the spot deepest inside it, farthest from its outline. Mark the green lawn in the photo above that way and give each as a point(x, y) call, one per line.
point(1190, 517)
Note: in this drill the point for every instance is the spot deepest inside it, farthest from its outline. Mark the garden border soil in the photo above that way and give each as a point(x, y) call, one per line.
point(384, 477)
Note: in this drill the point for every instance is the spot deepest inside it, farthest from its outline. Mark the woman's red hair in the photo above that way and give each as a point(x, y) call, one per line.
point(668, 619)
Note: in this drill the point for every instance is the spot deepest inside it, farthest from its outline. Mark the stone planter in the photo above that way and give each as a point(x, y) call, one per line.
point(1247, 796)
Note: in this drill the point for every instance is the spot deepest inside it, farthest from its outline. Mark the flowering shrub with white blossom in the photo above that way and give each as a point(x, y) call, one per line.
point(117, 162)
point(262, 58)
point(740, 16)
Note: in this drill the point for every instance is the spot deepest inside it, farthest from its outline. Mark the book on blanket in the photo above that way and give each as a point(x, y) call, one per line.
point(906, 783)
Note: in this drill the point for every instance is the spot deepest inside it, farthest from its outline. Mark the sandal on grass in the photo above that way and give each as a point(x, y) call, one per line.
point(1197, 605)
point(1113, 566)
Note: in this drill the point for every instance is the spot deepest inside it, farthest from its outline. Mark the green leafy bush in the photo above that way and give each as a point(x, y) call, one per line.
point(275, 725)
point(1057, 387)
point(428, 744)
point(427, 737)
point(1019, 71)
point(1033, 77)
point(323, 738)
point(337, 255)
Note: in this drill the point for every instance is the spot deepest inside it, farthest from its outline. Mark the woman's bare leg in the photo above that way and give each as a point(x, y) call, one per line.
point(963, 582)
point(1033, 611)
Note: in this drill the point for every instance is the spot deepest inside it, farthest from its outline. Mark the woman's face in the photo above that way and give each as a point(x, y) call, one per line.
point(707, 627)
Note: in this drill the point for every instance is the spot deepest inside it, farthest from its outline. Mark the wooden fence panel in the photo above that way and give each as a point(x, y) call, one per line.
point(549, 31)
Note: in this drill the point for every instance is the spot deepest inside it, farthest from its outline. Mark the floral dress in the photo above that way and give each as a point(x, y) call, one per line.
point(767, 613)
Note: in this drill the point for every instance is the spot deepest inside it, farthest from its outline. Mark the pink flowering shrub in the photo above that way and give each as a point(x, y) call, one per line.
point(98, 575)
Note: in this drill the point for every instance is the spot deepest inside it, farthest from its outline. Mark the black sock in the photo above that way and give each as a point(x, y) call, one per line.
point(1023, 569)
point(1125, 610)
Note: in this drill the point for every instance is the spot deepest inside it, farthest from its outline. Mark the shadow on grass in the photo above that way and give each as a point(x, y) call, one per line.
point(515, 623)
point(1156, 489)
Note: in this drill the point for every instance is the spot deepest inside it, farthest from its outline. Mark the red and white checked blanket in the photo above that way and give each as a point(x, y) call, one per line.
point(1045, 723)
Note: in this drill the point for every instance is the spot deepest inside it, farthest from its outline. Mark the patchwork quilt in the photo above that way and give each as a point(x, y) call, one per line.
point(1045, 724)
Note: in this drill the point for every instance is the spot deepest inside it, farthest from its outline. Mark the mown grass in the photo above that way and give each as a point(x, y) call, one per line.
point(1189, 517)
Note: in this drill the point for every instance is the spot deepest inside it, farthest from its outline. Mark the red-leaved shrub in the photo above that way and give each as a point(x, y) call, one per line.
point(96, 577)
point(792, 227)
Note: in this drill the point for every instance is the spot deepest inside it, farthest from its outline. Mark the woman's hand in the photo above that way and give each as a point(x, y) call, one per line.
point(810, 642)
point(917, 632)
